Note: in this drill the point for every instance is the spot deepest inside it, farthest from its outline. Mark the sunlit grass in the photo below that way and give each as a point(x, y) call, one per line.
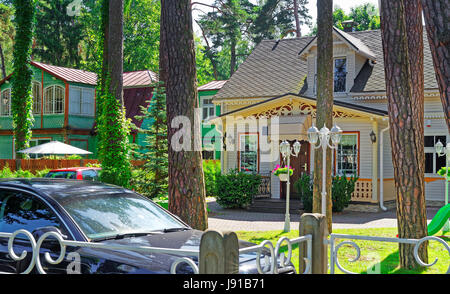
point(376, 256)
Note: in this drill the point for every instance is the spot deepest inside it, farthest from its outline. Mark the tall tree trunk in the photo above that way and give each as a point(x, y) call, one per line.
point(177, 64)
point(115, 49)
point(436, 13)
point(233, 57)
point(2, 60)
point(324, 115)
point(298, 32)
point(21, 99)
point(405, 107)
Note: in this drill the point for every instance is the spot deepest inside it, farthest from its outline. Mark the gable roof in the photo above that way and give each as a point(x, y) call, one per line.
point(272, 69)
point(350, 40)
point(275, 68)
point(68, 74)
point(143, 78)
point(139, 78)
point(213, 85)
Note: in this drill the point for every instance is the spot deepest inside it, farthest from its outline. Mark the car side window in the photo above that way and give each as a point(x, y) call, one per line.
point(19, 210)
point(89, 175)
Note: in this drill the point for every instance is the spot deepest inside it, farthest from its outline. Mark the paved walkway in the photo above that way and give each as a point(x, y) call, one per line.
point(242, 220)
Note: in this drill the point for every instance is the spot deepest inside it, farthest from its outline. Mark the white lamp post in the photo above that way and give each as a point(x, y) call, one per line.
point(286, 152)
point(441, 151)
point(324, 136)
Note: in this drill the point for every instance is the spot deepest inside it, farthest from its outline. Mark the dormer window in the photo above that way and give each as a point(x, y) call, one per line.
point(340, 75)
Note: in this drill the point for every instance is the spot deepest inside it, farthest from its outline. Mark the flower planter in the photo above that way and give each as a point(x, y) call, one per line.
point(283, 177)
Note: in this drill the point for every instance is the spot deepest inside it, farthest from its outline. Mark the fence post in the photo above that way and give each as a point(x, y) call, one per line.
point(314, 224)
point(219, 253)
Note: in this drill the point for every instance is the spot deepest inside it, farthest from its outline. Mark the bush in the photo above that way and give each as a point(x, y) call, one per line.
point(304, 186)
point(6, 172)
point(341, 191)
point(236, 189)
point(211, 170)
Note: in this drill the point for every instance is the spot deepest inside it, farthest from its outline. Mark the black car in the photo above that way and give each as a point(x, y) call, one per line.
point(90, 211)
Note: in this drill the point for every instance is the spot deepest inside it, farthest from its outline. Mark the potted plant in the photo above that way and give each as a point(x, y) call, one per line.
point(282, 172)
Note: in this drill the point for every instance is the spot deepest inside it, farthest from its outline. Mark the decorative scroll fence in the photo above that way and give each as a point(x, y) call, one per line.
point(219, 253)
point(207, 254)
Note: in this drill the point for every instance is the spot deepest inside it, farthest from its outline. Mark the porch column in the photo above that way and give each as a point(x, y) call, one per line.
point(375, 162)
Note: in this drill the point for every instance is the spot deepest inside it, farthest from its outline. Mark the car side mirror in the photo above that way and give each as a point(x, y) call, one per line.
point(39, 232)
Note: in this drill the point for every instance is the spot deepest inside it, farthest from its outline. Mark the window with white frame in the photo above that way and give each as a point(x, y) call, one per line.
point(54, 100)
point(36, 91)
point(340, 75)
point(433, 162)
point(347, 156)
point(81, 101)
point(207, 108)
point(248, 153)
point(5, 104)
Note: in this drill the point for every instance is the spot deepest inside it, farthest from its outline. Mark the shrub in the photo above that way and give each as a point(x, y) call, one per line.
point(236, 189)
point(211, 170)
point(341, 191)
point(6, 172)
point(304, 186)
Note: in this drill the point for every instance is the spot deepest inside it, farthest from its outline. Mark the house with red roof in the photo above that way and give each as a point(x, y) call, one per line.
point(64, 103)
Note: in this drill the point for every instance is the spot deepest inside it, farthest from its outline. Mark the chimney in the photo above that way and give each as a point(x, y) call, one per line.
point(348, 25)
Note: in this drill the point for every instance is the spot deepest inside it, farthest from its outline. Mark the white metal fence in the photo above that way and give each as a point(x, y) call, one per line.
point(270, 258)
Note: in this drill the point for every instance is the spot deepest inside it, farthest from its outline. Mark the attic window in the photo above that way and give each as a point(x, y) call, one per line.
point(340, 75)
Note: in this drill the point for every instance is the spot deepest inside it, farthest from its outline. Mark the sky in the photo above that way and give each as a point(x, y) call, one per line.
point(344, 4)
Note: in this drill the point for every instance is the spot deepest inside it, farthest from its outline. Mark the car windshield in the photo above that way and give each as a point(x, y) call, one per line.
point(101, 216)
point(61, 175)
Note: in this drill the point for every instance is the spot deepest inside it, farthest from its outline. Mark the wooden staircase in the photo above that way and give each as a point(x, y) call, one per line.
point(270, 205)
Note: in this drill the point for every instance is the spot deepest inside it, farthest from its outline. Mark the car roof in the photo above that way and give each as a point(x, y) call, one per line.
point(58, 189)
point(74, 168)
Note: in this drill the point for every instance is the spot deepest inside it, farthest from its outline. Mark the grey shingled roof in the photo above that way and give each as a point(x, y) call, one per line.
point(275, 68)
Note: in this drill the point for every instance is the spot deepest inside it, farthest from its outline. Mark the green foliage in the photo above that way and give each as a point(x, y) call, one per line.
point(236, 189)
point(141, 34)
point(113, 146)
point(22, 101)
point(304, 186)
point(152, 180)
point(365, 16)
point(6, 36)
point(6, 173)
point(282, 170)
point(341, 191)
point(211, 170)
point(58, 35)
point(444, 171)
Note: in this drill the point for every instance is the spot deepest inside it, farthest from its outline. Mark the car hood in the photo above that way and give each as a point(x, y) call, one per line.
point(109, 261)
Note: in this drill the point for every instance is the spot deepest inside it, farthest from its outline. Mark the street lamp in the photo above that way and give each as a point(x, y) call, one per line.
point(323, 137)
point(286, 152)
point(441, 151)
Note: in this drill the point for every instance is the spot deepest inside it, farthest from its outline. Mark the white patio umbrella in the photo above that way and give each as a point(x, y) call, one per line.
point(54, 147)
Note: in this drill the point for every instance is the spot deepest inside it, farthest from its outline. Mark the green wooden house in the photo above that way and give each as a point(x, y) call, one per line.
point(64, 102)
point(210, 142)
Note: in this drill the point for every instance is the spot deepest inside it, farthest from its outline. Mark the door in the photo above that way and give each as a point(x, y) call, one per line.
point(300, 164)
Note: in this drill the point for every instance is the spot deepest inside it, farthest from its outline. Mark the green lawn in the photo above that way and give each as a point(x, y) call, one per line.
point(375, 256)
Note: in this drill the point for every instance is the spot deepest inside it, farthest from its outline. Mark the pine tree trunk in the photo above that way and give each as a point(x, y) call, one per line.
point(297, 20)
point(405, 107)
point(115, 49)
point(436, 13)
point(177, 63)
point(233, 57)
point(324, 102)
point(2, 60)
